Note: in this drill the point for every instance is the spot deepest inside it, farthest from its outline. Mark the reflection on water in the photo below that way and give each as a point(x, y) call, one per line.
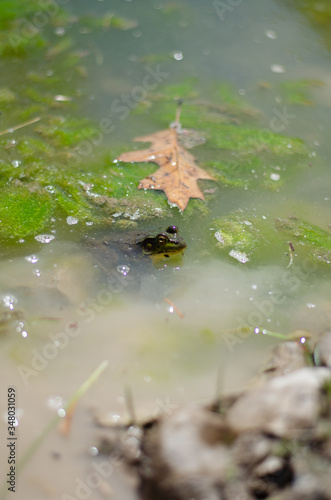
point(61, 315)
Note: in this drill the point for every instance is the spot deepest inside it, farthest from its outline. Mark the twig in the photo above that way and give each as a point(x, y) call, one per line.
point(11, 129)
point(171, 304)
point(130, 405)
point(176, 124)
point(291, 249)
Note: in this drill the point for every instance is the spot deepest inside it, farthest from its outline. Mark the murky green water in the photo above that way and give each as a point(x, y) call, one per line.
point(66, 321)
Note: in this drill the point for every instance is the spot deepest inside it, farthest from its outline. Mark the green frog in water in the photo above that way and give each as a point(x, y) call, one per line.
point(135, 244)
point(118, 254)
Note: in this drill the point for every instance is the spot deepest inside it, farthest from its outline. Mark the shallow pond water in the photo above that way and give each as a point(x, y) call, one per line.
point(61, 320)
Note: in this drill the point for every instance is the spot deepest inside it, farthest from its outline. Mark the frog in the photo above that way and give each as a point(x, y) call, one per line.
point(136, 244)
point(119, 253)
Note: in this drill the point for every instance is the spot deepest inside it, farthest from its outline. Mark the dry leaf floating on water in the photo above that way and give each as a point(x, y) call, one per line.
point(178, 173)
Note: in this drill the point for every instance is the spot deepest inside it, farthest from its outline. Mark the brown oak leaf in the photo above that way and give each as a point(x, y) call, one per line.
point(178, 173)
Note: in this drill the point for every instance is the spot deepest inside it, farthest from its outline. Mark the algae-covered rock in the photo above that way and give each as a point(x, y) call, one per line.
point(268, 238)
point(236, 233)
point(310, 238)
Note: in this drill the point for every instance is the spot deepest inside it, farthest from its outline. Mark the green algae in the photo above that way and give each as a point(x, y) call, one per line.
point(298, 92)
point(308, 239)
point(317, 13)
point(264, 239)
point(24, 210)
point(108, 20)
point(64, 155)
point(239, 232)
point(6, 96)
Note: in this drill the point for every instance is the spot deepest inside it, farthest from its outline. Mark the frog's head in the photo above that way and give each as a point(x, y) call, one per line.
point(164, 242)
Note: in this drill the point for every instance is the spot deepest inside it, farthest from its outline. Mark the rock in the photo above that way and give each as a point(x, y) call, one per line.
point(322, 351)
point(284, 406)
point(250, 449)
point(187, 457)
point(284, 358)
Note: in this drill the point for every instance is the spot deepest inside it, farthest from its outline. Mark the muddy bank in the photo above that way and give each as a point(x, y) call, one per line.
point(271, 441)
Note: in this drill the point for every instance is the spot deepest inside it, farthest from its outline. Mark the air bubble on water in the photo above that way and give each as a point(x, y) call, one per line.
point(277, 68)
point(124, 270)
point(93, 451)
point(9, 301)
point(44, 238)
point(61, 412)
point(72, 220)
point(50, 189)
point(59, 31)
point(274, 177)
point(271, 34)
point(55, 402)
point(89, 223)
point(218, 235)
point(239, 256)
point(21, 240)
point(178, 55)
point(36, 272)
point(62, 98)
point(31, 258)
point(16, 163)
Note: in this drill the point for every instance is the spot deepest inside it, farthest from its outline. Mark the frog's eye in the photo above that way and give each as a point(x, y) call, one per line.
point(162, 239)
point(147, 245)
point(172, 229)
